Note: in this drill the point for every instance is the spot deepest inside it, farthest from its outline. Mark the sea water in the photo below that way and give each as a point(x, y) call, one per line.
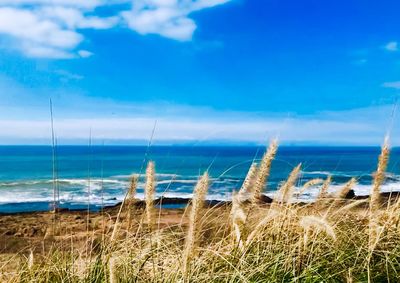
point(99, 175)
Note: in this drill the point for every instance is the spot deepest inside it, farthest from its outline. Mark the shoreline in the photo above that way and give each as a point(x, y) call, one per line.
point(171, 203)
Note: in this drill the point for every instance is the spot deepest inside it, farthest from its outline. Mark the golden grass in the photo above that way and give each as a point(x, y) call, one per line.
point(286, 190)
point(194, 219)
point(346, 188)
point(323, 193)
point(264, 171)
point(247, 188)
point(149, 192)
point(132, 188)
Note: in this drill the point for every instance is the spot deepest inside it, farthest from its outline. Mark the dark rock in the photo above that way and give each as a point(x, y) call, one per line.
point(9, 232)
point(165, 200)
point(350, 195)
point(265, 199)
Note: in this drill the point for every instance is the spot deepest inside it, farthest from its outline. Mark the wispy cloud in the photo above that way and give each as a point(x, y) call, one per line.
point(53, 28)
point(395, 85)
point(392, 46)
point(85, 53)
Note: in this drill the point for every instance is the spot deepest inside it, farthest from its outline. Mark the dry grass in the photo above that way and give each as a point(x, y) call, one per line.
point(149, 192)
point(194, 220)
point(264, 171)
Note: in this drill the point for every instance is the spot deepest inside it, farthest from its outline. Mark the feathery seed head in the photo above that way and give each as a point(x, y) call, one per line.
point(379, 175)
point(198, 199)
point(249, 181)
point(312, 183)
point(346, 188)
point(30, 260)
point(264, 170)
point(150, 191)
point(133, 187)
point(318, 224)
point(112, 270)
point(324, 189)
point(286, 190)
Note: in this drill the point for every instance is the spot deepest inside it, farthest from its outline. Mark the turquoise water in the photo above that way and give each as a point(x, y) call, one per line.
point(26, 178)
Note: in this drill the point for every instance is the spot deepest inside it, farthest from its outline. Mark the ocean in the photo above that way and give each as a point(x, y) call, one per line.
point(99, 175)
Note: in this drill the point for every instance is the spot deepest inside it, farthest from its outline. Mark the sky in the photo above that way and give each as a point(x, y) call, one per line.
point(205, 71)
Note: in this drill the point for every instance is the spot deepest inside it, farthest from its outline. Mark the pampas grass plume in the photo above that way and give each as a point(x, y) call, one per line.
point(323, 193)
point(30, 260)
point(238, 217)
point(379, 176)
point(198, 199)
point(286, 190)
point(346, 188)
point(375, 197)
point(150, 191)
point(264, 170)
point(133, 187)
point(319, 224)
point(249, 181)
point(111, 269)
point(311, 183)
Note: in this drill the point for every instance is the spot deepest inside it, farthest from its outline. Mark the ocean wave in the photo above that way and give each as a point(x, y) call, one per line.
point(161, 175)
point(183, 181)
point(326, 173)
point(76, 190)
point(360, 190)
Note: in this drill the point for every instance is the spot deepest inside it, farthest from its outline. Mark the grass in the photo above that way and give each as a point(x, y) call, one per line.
point(331, 240)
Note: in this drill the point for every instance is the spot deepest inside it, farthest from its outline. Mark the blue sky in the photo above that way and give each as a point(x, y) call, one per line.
point(310, 71)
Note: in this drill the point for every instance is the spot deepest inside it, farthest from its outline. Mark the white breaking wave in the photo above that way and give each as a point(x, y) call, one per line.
point(157, 175)
point(311, 193)
point(111, 191)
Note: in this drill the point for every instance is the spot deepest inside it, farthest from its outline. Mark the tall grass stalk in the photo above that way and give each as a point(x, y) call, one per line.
point(342, 193)
point(199, 196)
point(150, 189)
point(131, 198)
point(112, 272)
point(323, 193)
point(309, 184)
point(264, 171)
point(375, 199)
point(249, 182)
point(379, 176)
point(238, 216)
point(132, 188)
point(285, 192)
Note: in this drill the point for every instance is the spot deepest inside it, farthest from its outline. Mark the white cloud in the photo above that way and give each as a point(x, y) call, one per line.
point(85, 53)
point(37, 37)
point(69, 3)
point(395, 85)
point(169, 18)
point(392, 46)
point(52, 28)
point(74, 18)
point(67, 76)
